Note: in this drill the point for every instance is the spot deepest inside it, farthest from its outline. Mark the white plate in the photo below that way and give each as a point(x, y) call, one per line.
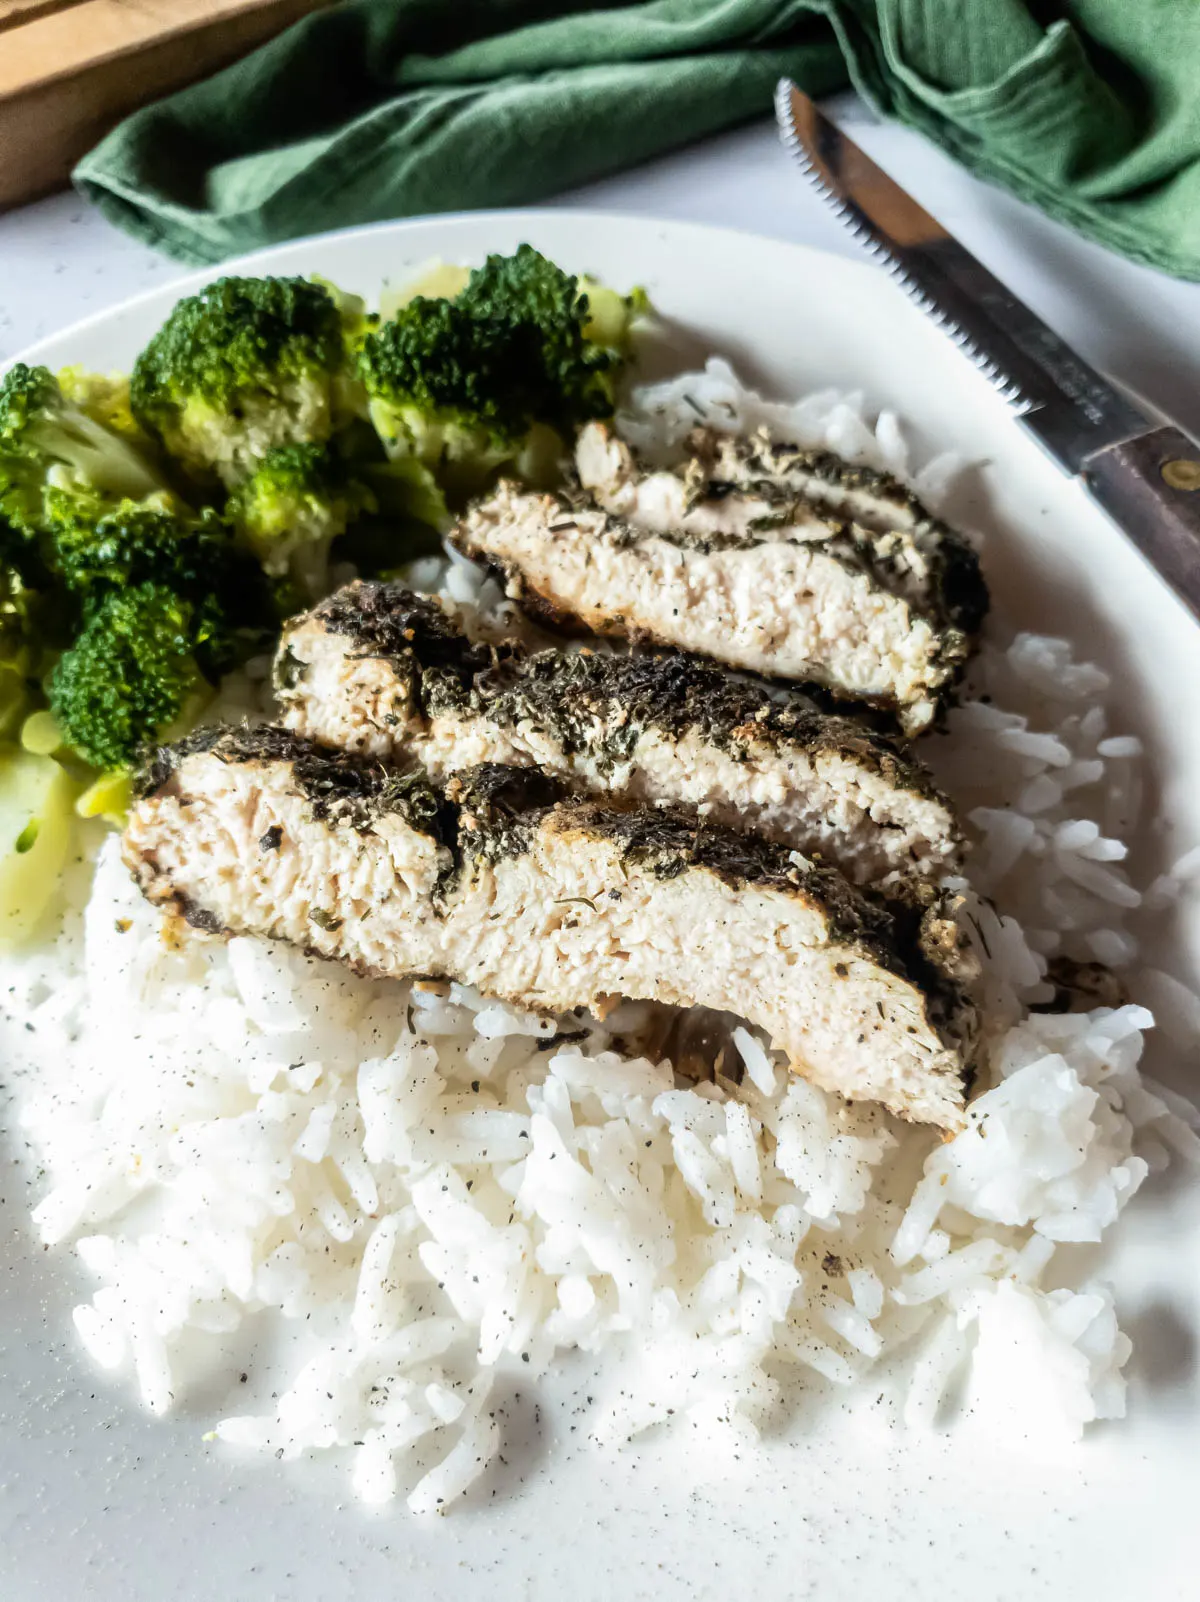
point(100, 1502)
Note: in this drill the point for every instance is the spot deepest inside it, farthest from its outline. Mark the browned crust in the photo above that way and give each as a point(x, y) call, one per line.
point(578, 695)
point(947, 661)
point(492, 812)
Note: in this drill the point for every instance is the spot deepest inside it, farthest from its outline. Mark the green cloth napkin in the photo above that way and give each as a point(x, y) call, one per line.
point(390, 108)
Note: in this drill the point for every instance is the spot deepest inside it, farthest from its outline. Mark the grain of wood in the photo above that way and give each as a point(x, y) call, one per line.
point(69, 73)
point(13, 12)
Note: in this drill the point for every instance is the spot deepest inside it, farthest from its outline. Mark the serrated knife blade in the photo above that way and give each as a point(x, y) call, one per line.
point(1146, 477)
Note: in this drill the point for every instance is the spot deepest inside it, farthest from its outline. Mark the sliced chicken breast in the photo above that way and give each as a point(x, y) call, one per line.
point(381, 670)
point(875, 500)
point(758, 576)
point(498, 881)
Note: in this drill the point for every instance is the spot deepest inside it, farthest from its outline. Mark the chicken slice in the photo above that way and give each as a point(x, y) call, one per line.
point(379, 669)
point(554, 903)
point(758, 576)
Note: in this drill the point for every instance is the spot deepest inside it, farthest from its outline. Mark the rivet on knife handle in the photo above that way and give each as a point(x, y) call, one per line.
point(1151, 487)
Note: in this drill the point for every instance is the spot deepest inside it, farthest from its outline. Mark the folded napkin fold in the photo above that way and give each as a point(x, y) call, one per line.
point(390, 108)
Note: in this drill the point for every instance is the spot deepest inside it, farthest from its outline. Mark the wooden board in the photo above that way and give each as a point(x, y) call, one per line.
point(71, 69)
point(14, 11)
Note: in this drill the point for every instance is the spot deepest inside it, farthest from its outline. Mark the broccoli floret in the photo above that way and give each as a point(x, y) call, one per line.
point(405, 489)
point(20, 647)
point(50, 446)
point(23, 622)
point(130, 673)
point(463, 381)
point(138, 542)
point(21, 557)
point(106, 589)
point(105, 397)
point(246, 365)
point(292, 509)
point(36, 621)
point(304, 497)
point(89, 552)
point(564, 378)
point(436, 382)
point(81, 587)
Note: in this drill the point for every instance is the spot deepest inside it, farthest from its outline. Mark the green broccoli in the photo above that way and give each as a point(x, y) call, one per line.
point(564, 378)
point(292, 509)
point(461, 383)
point(35, 623)
point(88, 552)
point(406, 490)
point(16, 633)
point(103, 590)
point(50, 447)
point(304, 497)
point(20, 648)
point(131, 672)
point(104, 397)
point(21, 557)
point(137, 542)
point(246, 365)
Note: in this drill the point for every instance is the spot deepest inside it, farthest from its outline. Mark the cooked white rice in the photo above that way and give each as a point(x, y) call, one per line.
point(423, 1187)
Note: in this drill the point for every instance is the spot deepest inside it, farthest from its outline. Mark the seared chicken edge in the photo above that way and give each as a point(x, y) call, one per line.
point(759, 578)
point(500, 882)
point(380, 670)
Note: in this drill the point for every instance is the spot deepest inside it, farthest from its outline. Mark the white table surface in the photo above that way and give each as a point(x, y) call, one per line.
point(60, 260)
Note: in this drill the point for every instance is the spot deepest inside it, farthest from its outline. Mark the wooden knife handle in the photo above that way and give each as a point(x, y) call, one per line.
point(1150, 487)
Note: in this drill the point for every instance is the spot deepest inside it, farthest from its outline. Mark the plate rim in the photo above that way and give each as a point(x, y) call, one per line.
point(194, 279)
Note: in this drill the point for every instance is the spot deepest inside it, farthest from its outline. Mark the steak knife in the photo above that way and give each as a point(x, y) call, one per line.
point(1146, 476)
